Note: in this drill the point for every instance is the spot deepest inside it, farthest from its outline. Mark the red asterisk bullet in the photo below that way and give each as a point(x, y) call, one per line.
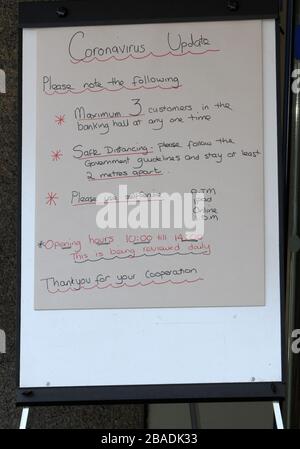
point(51, 198)
point(56, 155)
point(60, 119)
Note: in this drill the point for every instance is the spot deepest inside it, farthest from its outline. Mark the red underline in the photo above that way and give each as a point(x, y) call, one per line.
point(170, 53)
point(124, 177)
point(110, 118)
point(84, 204)
point(111, 155)
point(118, 201)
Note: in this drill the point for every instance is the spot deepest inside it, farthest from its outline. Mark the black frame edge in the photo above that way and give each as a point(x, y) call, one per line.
point(151, 394)
point(289, 50)
point(267, 391)
point(43, 14)
point(282, 202)
point(19, 193)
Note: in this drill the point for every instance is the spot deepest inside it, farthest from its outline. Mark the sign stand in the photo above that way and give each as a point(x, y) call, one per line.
point(278, 416)
point(195, 418)
point(243, 368)
point(24, 418)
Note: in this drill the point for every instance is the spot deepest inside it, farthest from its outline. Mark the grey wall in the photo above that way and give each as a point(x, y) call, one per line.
point(120, 417)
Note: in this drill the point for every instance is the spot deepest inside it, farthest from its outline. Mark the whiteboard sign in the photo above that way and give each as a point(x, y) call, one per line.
point(135, 113)
point(156, 108)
